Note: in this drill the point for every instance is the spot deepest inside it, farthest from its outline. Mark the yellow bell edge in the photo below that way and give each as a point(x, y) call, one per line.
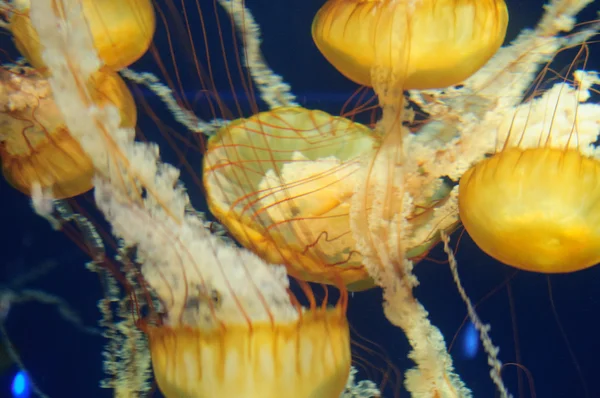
point(61, 166)
point(307, 358)
point(534, 209)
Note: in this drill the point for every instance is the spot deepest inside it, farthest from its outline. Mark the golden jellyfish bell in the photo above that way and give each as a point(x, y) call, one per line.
point(122, 31)
point(35, 145)
point(309, 357)
point(429, 43)
point(536, 209)
point(281, 182)
point(230, 325)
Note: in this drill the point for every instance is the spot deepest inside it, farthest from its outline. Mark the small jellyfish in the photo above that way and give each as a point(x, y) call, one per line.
point(35, 145)
point(431, 43)
point(122, 31)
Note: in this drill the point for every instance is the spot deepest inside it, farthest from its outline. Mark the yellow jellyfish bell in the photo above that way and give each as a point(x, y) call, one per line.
point(536, 209)
point(35, 145)
point(309, 357)
point(431, 43)
point(281, 182)
point(535, 203)
point(122, 31)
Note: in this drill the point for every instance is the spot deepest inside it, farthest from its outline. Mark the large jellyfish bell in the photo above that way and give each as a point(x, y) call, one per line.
point(517, 208)
point(281, 182)
point(535, 204)
point(434, 43)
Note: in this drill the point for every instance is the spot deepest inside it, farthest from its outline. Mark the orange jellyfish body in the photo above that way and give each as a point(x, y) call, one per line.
point(35, 145)
point(282, 182)
point(430, 43)
point(535, 209)
point(309, 357)
point(122, 31)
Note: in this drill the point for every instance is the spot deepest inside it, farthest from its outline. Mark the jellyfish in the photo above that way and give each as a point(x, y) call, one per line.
point(430, 44)
point(121, 31)
point(239, 341)
point(393, 47)
point(35, 144)
point(281, 182)
point(222, 321)
point(534, 204)
point(229, 323)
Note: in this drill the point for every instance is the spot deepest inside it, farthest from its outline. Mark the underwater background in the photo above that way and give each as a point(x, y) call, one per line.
point(548, 324)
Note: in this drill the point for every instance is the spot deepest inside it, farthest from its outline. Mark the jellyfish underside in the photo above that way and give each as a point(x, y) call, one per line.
point(282, 183)
point(536, 209)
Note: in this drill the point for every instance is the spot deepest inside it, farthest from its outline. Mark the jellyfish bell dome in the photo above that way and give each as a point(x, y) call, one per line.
point(282, 183)
point(35, 144)
point(122, 31)
point(429, 43)
point(306, 357)
point(535, 203)
point(536, 209)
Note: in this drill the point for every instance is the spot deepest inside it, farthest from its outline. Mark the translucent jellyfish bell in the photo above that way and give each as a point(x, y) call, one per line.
point(282, 183)
point(122, 31)
point(35, 144)
point(432, 43)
